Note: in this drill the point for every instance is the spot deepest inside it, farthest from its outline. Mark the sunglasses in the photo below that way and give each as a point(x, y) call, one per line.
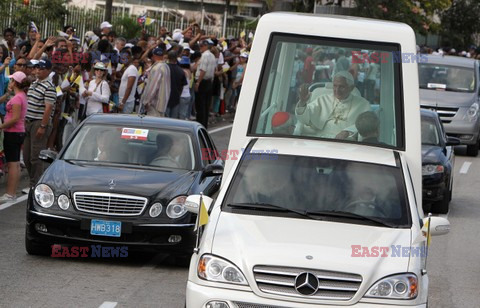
point(20, 64)
point(98, 69)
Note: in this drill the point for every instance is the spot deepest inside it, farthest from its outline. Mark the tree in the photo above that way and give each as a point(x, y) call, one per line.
point(52, 10)
point(420, 15)
point(459, 22)
point(303, 6)
point(129, 28)
point(108, 10)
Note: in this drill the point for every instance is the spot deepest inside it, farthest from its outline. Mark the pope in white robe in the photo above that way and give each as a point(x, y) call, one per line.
point(329, 115)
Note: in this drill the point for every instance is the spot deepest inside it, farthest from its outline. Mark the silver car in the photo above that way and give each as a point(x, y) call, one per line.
point(449, 85)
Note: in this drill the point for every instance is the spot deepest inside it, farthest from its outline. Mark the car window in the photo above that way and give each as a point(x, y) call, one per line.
point(430, 133)
point(132, 146)
point(209, 142)
point(330, 89)
point(446, 77)
point(207, 154)
point(310, 184)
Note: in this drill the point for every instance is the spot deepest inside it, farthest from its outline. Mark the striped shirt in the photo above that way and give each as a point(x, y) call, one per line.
point(39, 94)
point(157, 89)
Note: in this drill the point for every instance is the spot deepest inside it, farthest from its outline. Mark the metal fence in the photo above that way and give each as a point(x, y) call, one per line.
point(87, 20)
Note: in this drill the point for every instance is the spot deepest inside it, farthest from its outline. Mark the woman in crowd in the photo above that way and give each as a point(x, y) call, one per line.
point(98, 92)
point(185, 97)
point(14, 132)
point(4, 64)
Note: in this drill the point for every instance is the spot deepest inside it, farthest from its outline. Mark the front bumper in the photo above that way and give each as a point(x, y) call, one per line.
point(434, 188)
point(466, 131)
point(198, 296)
point(68, 229)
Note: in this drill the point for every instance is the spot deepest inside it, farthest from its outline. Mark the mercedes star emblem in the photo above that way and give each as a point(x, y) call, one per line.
point(111, 184)
point(306, 284)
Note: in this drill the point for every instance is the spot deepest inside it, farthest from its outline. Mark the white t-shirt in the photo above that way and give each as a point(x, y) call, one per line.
point(131, 71)
point(221, 60)
point(100, 95)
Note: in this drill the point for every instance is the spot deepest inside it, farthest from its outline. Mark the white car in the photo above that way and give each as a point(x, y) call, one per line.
point(324, 207)
point(333, 232)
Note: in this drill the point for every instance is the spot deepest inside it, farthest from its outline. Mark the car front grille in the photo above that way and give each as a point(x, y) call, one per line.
point(109, 204)
point(250, 305)
point(446, 114)
point(331, 285)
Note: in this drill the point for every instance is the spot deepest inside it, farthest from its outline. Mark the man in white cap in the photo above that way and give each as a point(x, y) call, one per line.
point(332, 115)
point(106, 27)
point(177, 36)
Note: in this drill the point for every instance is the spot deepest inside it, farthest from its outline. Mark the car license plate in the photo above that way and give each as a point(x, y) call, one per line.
point(106, 228)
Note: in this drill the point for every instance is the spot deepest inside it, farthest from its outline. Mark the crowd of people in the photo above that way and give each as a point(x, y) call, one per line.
point(472, 52)
point(48, 85)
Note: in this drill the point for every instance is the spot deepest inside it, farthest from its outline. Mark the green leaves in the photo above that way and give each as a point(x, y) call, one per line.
point(420, 15)
point(459, 22)
point(128, 27)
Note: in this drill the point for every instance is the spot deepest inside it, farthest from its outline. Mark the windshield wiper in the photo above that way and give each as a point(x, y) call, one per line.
point(77, 162)
point(351, 215)
point(271, 207)
point(463, 90)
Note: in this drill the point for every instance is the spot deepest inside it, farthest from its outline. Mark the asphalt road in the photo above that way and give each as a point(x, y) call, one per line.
point(147, 280)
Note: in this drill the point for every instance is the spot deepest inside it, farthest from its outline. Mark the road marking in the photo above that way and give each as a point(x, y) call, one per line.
point(9, 204)
point(216, 130)
point(108, 305)
point(466, 165)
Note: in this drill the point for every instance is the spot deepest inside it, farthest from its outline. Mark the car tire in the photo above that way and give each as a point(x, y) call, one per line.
point(442, 206)
point(472, 150)
point(36, 249)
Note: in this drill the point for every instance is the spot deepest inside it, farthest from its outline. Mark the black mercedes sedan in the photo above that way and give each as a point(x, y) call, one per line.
point(438, 159)
point(122, 180)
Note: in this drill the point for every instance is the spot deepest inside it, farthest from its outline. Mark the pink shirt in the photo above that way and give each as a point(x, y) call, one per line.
point(18, 99)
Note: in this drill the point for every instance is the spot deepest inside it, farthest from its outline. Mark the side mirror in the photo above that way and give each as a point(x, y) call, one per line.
point(452, 141)
point(192, 204)
point(212, 170)
point(48, 156)
point(438, 225)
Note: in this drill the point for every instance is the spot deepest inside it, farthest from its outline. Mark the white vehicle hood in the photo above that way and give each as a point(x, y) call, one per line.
point(249, 240)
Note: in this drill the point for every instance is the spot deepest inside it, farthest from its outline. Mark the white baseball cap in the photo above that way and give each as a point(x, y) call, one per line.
point(177, 36)
point(105, 24)
point(186, 46)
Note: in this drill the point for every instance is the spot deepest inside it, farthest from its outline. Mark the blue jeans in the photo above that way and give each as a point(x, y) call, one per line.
point(128, 107)
point(184, 108)
point(173, 112)
point(216, 104)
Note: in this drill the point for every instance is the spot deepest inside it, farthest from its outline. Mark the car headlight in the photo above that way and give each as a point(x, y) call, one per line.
point(155, 209)
point(216, 269)
point(176, 208)
point(404, 286)
point(432, 169)
point(472, 113)
point(44, 195)
point(63, 202)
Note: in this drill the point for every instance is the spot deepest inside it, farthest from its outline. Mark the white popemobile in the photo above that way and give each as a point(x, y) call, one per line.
point(320, 219)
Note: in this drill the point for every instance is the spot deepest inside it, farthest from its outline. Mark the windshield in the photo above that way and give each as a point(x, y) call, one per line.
point(430, 134)
point(331, 89)
point(320, 185)
point(132, 146)
point(447, 78)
